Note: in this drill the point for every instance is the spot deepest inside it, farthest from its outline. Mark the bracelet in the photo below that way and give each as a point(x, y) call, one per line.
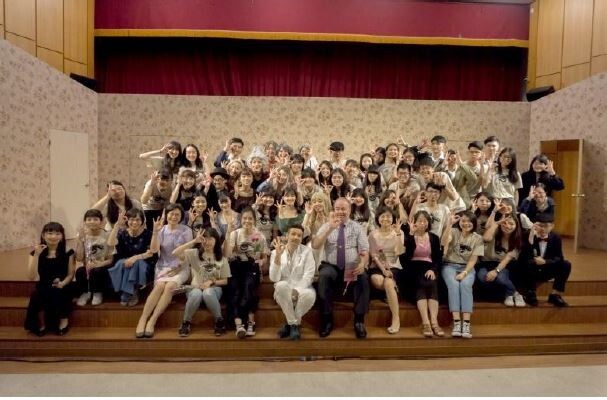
point(498, 270)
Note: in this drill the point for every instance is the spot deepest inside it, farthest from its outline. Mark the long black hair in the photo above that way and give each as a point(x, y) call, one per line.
point(363, 210)
point(54, 227)
point(112, 208)
point(197, 162)
point(217, 248)
point(512, 171)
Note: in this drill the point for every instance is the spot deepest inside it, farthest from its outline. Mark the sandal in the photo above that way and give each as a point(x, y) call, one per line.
point(392, 329)
point(437, 330)
point(427, 330)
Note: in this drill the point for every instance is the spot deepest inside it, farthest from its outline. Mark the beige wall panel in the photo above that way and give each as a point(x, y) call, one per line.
point(71, 66)
point(575, 74)
point(598, 64)
point(20, 17)
point(49, 24)
point(532, 51)
point(548, 80)
point(52, 58)
point(75, 31)
point(24, 43)
point(1, 31)
point(599, 28)
point(550, 37)
point(577, 34)
point(2, 14)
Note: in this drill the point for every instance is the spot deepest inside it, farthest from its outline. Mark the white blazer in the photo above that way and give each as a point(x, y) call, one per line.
point(299, 272)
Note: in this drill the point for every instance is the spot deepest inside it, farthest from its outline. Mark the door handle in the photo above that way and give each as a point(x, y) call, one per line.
point(578, 195)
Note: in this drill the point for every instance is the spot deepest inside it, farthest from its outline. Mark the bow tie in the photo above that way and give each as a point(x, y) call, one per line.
point(543, 239)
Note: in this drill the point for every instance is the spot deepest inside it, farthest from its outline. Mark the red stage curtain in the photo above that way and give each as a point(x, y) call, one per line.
point(222, 67)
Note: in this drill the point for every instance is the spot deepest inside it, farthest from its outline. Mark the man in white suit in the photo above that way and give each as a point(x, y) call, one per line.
point(292, 268)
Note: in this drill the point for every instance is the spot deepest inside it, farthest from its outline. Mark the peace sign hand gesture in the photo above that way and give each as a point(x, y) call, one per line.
point(159, 222)
point(327, 188)
point(200, 236)
point(38, 249)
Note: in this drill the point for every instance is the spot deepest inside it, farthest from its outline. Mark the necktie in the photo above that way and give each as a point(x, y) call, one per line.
point(341, 247)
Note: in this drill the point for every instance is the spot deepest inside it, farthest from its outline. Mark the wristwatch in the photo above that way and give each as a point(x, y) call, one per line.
point(498, 270)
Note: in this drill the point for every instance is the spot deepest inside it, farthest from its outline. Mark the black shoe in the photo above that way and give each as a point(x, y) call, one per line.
point(295, 335)
point(531, 299)
point(359, 329)
point(557, 300)
point(284, 331)
point(186, 328)
point(63, 331)
point(326, 326)
point(39, 332)
point(220, 327)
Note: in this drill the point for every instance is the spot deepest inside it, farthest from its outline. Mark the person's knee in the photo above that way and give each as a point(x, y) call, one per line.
point(566, 266)
point(195, 294)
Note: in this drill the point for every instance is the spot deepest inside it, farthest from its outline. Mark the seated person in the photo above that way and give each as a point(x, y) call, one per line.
point(544, 261)
point(292, 268)
point(538, 203)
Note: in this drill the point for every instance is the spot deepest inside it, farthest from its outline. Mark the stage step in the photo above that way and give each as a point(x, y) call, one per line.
point(119, 343)
point(582, 309)
point(266, 289)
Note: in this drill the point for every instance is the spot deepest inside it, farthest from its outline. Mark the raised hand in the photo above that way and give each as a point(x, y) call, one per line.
point(212, 215)
point(498, 204)
point(531, 192)
point(308, 207)
point(200, 236)
point(192, 215)
point(155, 176)
point(400, 141)
point(278, 245)
point(224, 164)
point(474, 205)
point(122, 219)
point(258, 199)
point(334, 220)
point(550, 167)
point(38, 249)
point(204, 155)
point(159, 222)
point(454, 218)
point(349, 197)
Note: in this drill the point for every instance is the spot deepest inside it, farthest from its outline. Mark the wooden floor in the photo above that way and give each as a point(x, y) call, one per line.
point(106, 332)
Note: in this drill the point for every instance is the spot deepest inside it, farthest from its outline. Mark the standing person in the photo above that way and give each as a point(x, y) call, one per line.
point(156, 195)
point(256, 163)
point(185, 189)
point(346, 258)
point(543, 260)
point(438, 212)
point(310, 161)
point(169, 272)
point(247, 252)
point(502, 248)
point(462, 249)
point(115, 201)
point(388, 168)
point(53, 266)
point(360, 210)
point(288, 212)
point(438, 145)
point(218, 186)
point(463, 177)
point(292, 269)
point(482, 207)
point(336, 155)
point(132, 268)
point(541, 170)
point(195, 162)
point(210, 272)
point(317, 214)
point(244, 194)
point(168, 157)
point(231, 151)
point(406, 185)
point(504, 180)
point(95, 254)
point(385, 245)
point(308, 185)
point(492, 147)
point(423, 258)
point(265, 214)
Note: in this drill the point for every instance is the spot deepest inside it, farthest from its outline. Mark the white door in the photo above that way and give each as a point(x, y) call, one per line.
point(69, 179)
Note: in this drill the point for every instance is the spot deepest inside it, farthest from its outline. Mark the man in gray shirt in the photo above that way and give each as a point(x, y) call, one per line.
point(346, 259)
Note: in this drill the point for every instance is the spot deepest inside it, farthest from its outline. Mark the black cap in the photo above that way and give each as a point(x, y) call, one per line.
point(373, 168)
point(544, 217)
point(336, 146)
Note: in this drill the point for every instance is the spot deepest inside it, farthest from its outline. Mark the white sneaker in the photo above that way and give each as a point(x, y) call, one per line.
point(457, 329)
point(509, 301)
point(466, 330)
point(97, 298)
point(251, 329)
point(518, 300)
point(83, 299)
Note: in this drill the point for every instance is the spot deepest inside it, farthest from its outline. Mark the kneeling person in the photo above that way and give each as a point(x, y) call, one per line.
point(292, 267)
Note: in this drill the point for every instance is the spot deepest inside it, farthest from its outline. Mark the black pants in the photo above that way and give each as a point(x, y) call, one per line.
point(242, 289)
point(98, 280)
point(54, 302)
point(150, 216)
point(533, 274)
point(331, 279)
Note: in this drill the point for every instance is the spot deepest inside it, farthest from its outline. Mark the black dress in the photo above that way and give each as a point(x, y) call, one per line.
point(54, 302)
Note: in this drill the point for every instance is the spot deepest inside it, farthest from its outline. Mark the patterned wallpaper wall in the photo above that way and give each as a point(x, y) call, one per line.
point(131, 124)
point(580, 112)
point(35, 98)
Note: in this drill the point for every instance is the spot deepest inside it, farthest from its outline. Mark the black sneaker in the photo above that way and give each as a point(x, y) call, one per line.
point(186, 328)
point(294, 333)
point(557, 300)
point(220, 327)
point(285, 331)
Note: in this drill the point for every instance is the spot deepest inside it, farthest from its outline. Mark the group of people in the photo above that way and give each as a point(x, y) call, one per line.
point(392, 223)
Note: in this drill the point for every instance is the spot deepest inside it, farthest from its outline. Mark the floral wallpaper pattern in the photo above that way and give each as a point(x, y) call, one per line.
point(132, 124)
point(580, 112)
point(35, 98)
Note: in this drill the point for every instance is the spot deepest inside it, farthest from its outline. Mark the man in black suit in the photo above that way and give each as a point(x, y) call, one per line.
point(543, 260)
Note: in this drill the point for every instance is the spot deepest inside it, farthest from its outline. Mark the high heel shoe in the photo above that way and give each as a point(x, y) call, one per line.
point(427, 330)
point(63, 331)
point(393, 329)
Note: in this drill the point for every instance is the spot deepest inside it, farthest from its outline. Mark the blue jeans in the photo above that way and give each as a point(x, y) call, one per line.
point(125, 279)
point(210, 296)
point(460, 292)
point(502, 279)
